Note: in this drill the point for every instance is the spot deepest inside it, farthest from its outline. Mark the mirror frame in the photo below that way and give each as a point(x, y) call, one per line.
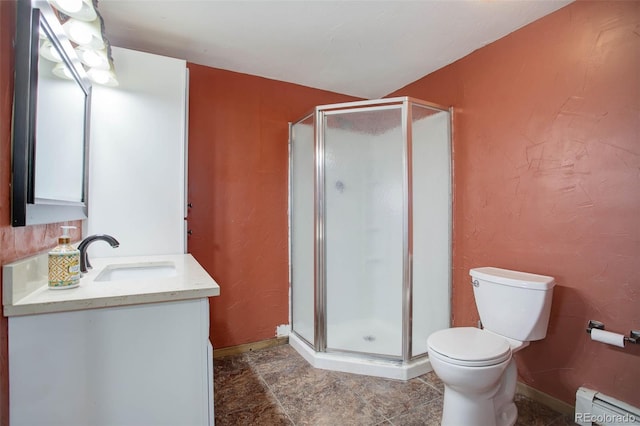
point(33, 16)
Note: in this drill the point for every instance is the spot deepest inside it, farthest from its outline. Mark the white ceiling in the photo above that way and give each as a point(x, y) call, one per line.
point(361, 48)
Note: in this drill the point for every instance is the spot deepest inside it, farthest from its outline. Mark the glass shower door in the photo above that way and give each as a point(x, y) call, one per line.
point(302, 229)
point(363, 208)
point(431, 201)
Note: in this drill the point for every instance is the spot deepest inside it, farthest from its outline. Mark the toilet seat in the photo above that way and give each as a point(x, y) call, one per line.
point(469, 346)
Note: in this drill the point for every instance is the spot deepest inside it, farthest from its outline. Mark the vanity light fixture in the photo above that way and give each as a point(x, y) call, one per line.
point(85, 29)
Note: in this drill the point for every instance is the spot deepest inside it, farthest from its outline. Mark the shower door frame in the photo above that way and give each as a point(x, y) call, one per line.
point(320, 284)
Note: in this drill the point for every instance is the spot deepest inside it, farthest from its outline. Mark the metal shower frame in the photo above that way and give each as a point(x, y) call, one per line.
point(320, 284)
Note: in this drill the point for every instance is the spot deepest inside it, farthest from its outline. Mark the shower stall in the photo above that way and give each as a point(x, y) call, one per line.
point(370, 234)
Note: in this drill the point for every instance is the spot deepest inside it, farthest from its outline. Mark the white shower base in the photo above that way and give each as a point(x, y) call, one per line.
point(353, 363)
point(367, 335)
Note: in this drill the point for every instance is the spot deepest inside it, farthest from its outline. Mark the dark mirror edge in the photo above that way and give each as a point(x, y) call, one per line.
point(23, 209)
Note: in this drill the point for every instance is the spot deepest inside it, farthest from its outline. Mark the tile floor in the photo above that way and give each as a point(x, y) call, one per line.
point(276, 386)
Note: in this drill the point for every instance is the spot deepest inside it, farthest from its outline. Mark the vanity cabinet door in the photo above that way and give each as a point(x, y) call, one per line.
point(130, 365)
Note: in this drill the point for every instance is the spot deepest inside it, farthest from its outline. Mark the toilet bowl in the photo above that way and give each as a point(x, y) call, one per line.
point(476, 365)
point(475, 376)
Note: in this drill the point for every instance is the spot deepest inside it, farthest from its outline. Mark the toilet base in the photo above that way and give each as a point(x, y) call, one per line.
point(459, 410)
point(491, 408)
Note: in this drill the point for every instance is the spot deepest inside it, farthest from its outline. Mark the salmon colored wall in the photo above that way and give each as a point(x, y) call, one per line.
point(238, 165)
point(15, 243)
point(547, 180)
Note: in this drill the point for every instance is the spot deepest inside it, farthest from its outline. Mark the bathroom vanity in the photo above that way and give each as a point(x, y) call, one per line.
point(130, 346)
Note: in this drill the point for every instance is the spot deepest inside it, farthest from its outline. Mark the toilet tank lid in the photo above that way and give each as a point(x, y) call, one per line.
point(513, 278)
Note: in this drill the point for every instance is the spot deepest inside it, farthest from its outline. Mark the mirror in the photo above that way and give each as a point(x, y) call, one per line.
point(50, 121)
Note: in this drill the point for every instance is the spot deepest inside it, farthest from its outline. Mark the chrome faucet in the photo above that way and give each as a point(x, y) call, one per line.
point(84, 245)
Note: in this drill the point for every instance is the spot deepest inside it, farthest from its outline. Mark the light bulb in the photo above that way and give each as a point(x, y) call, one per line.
point(93, 58)
point(79, 33)
point(49, 52)
point(84, 33)
point(103, 77)
point(100, 76)
point(61, 70)
point(68, 6)
point(77, 9)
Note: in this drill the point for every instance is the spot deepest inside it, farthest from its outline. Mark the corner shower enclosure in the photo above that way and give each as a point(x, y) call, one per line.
point(370, 234)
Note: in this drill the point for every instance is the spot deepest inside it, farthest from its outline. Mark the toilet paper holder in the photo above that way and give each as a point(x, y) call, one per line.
point(634, 335)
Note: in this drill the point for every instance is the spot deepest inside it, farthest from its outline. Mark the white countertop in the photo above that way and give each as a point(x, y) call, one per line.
point(25, 289)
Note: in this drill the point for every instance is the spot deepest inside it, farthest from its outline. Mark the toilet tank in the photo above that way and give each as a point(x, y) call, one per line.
point(511, 303)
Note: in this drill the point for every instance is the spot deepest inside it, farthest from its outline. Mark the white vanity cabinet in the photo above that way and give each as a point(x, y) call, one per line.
point(147, 364)
point(118, 352)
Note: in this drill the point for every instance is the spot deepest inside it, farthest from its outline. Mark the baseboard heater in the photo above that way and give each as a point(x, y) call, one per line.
point(595, 408)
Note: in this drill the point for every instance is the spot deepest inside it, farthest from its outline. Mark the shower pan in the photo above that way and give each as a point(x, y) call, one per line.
point(370, 234)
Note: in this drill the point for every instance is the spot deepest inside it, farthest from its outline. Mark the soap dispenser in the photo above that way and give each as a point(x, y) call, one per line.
point(64, 263)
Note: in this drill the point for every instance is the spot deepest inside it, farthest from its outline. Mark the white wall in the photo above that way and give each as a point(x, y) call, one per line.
point(137, 156)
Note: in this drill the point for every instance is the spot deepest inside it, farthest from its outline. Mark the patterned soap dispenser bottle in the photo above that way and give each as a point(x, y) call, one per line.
point(64, 263)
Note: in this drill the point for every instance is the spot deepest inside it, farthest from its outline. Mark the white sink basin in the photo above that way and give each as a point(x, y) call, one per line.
point(137, 271)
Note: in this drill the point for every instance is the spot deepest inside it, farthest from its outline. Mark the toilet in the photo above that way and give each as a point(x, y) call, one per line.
point(477, 365)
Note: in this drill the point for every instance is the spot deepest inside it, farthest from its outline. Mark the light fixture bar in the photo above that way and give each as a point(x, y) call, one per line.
point(84, 26)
